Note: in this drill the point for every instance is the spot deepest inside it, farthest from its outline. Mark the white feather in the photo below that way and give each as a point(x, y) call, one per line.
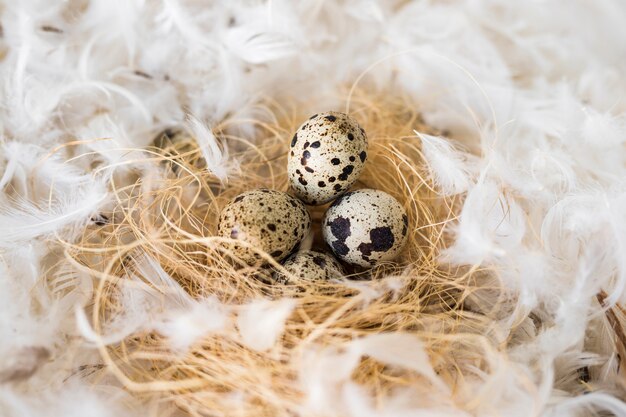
point(258, 47)
point(215, 155)
point(402, 351)
point(448, 166)
point(490, 227)
point(21, 221)
point(261, 322)
point(184, 327)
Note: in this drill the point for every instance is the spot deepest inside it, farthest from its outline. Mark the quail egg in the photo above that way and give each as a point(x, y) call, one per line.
point(327, 155)
point(366, 226)
point(268, 220)
point(311, 266)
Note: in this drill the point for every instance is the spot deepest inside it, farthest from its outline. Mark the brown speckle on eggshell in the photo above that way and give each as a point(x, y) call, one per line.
point(311, 266)
point(328, 148)
point(268, 220)
point(366, 226)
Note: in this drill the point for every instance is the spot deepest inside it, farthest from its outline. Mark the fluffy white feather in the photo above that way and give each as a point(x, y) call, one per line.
point(184, 327)
point(215, 155)
point(261, 322)
point(447, 165)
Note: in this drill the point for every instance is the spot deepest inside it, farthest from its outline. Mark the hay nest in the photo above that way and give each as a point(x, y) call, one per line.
point(160, 237)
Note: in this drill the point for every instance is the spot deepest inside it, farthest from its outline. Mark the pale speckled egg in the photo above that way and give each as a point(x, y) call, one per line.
point(311, 266)
point(366, 226)
point(327, 154)
point(269, 220)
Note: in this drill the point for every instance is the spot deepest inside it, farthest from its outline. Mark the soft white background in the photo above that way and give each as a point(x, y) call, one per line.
point(535, 90)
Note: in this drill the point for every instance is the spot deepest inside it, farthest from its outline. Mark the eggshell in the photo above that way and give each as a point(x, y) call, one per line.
point(311, 266)
point(269, 220)
point(327, 154)
point(366, 226)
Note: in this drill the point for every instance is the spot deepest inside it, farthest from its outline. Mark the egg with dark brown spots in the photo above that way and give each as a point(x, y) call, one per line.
point(266, 220)
point(310, 266)
point(326, 156)
point(365, 227)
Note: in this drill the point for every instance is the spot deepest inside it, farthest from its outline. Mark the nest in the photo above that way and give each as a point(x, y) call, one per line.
point(172, 217)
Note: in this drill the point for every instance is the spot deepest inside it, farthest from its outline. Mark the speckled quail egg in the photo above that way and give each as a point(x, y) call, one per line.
point(327, 155)
point(311, 266)
point(364, 227)
point(269, 220)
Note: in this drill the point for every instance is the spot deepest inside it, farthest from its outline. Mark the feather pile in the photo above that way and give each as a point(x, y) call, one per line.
point(506, 119)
